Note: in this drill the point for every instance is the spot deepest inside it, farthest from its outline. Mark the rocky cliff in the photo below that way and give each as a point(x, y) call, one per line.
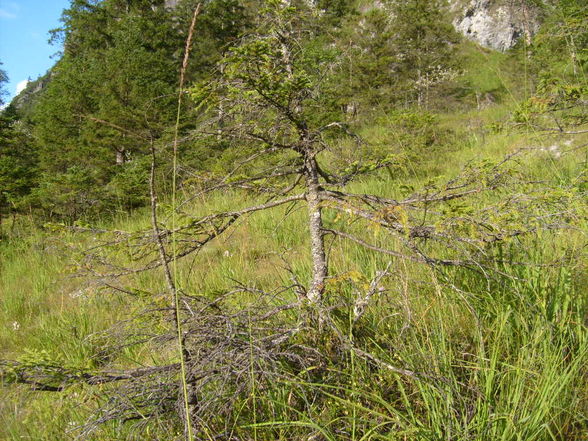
point(496, 24)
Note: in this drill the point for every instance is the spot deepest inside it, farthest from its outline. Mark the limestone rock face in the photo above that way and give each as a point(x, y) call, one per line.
point(32, 91)
point(496, 24)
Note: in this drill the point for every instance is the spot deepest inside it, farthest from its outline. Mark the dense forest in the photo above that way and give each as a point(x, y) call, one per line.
point(299, 220)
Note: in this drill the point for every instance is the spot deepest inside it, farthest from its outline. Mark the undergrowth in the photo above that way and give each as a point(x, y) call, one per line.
point(491, 358)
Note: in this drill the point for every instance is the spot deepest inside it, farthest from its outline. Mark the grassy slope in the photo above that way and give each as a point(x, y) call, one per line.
point(514, 370)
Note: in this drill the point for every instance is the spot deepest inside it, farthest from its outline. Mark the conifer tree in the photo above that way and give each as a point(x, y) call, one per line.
point(113, 91)
point(425, 44)
point(17, 157)
point(403, 51)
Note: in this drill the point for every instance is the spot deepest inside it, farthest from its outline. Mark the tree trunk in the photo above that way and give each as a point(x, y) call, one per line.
point(315, 225)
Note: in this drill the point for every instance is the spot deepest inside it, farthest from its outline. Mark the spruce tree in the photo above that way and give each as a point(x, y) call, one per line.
point(17, 157)
point(425, 45)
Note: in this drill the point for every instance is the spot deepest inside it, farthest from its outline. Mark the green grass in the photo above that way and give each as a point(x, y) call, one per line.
point(501, 360)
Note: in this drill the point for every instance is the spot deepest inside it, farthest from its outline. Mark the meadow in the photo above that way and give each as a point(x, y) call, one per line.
point(488, 357)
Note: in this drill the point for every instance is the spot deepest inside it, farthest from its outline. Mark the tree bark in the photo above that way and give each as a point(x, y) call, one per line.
point(315, 226)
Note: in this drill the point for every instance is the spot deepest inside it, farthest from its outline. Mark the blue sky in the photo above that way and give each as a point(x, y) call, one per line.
point(24, 34)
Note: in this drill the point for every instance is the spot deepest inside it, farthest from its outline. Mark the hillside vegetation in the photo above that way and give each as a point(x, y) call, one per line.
point(337, 220)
